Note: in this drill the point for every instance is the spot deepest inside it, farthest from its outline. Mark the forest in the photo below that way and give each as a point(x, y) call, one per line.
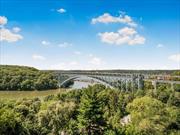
point(95, 110)
point(25, 78)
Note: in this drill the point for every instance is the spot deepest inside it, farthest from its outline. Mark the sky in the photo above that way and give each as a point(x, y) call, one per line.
point(91, 34)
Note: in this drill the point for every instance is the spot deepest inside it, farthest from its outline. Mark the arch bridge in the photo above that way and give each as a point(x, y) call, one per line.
point(122, 81)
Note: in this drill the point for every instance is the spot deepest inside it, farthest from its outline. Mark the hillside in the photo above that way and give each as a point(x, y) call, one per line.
point(25, 78)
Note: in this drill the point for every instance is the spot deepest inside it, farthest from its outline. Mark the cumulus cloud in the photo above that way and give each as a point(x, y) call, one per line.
point(3, 20)
point(16, 29)
point(175, 57)
point(7, 35)
point(125, 35)
point(38, 57)
point(127, 31)
point(107, 18)
point(65, 45)
point(44, 42)
point(61, 10)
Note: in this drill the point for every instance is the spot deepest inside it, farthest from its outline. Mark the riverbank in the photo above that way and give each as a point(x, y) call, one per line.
point(28, 94)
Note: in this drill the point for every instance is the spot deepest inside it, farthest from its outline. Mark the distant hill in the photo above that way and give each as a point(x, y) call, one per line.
point(25, 78)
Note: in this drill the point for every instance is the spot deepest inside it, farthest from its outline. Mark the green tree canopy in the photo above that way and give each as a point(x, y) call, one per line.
point(90, 118)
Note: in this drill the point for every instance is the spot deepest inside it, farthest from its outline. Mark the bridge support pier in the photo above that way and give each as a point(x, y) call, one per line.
point(121, 85)
point(132, 85)
point(126, 85)
point(140, 82)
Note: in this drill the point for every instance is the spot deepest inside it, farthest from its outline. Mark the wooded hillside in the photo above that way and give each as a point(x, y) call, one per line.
point(25, 78)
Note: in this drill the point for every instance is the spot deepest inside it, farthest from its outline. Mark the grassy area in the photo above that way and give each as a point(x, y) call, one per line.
point(27, 94)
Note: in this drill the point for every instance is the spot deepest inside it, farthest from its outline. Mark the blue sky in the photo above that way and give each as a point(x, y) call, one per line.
point(69, 34)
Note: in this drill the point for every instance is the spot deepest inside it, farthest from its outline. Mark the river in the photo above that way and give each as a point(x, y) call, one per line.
point(82, 83)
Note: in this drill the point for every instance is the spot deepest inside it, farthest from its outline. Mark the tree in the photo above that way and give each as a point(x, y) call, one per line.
point(163, 93)
point(90, 118)
point(10, 124)
point(173, 122)
point(27, 85)
point(150, 116)
point(57, 117)
point(174, 99)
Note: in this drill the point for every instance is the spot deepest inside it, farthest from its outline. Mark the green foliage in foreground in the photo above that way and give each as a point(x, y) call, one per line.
point(95, 110)
point(25, 78)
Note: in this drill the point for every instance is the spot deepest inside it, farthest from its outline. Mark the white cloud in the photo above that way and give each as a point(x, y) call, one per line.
point(3, 20)
point(77, 53)
point(160, 45)
point(127, 31)
point(137, 40)
point(61, 10)
point(125, 35)
point(45, 42)
point(175, 57)
point(7, 35)
point(107, 18)
point(109, 37)
point(16, 29)
point(65, 44)
point(38, 57)
point(96, 61)
point(90, 62)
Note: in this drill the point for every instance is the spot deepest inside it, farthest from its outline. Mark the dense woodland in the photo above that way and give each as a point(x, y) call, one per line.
point(25, 78)
point(95, 110)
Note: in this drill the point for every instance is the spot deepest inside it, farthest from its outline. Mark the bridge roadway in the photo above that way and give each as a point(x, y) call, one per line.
point(109, 79)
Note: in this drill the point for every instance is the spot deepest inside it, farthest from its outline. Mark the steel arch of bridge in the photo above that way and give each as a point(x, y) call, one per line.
point(125, 83)
point(108, 79)
point(88, 77)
